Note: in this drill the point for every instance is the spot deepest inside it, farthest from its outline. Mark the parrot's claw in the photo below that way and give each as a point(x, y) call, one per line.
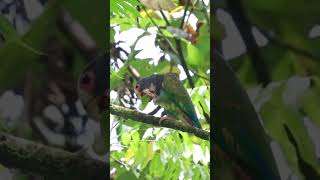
point(165, 118)
point(164, 112)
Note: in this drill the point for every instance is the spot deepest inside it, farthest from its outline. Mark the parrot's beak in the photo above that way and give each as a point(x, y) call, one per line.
point(149, 93)
point(145, 92)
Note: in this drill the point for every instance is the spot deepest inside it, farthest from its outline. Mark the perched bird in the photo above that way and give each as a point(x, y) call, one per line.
point(168, 92)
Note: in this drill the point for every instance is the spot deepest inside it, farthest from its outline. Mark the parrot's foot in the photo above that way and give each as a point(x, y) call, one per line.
point(166, 118)
point(164, 113)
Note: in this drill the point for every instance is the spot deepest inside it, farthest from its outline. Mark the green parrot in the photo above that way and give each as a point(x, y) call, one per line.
point(94, 94)
point(168, 92)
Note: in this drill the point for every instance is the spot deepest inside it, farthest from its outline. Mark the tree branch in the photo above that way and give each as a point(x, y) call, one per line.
point(179, 48)
point(178, 51)
point(285, 45)
point(243, 24)
point(183, 62)
point(145, 118)
point(184, 14)
point(48, 161)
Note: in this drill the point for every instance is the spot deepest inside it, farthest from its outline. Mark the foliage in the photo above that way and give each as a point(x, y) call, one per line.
point(22, 55)
point(30, 45)
point(140, 151)
point(293, 61)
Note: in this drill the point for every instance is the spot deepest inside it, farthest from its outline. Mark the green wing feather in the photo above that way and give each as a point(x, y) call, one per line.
point(179, 96)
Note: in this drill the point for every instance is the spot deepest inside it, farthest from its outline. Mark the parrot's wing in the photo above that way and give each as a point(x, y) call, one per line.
point(180, 97)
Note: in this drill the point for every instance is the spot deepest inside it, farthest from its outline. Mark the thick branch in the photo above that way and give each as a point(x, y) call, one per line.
point(39, 159)
point(145, 118)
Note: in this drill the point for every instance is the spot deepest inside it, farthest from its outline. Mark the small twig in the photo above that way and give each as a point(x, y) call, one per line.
point(205, 13)
point(191, 11)
point(179, 48)
point(184, 13)
point(205, 114)
point(165, 18)
point(290, 47)
point(183, 62)
point(160, 31)
point(200, 76)
point(128, 166)
point(115, 124)
point(178, 51)
point(117, 143)
point(132, 70)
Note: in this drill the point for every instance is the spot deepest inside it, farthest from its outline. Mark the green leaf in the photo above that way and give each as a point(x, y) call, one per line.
point(123, 7)
point(144, 102)
point(7, 30)
point(196, 58)
point(140, 156)
point(117, 77)
point(169, 170)
point(187, 141)
point(273, 122)
point(127, 175)
point(311, 104)
point(131, 152)
point(130, 8)
point(177, 171)
point(156, 166)
point(125, 138)
point(149, 155)
point(11, 36)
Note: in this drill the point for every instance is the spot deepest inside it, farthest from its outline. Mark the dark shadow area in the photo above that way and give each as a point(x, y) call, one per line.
point(54, 75)
point(266, 63)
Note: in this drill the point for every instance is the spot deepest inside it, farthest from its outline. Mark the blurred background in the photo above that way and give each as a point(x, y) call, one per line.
point(44, 46)
point(273, 47)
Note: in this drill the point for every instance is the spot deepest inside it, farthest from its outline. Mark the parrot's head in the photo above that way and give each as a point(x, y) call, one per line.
point(92, 87)
point(149, 86)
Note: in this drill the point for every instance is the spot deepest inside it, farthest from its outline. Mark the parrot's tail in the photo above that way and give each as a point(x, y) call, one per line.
point(197, 123)
point(193, 122)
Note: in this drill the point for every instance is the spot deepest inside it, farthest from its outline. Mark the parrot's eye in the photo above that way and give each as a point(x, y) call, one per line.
point(137, 86)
